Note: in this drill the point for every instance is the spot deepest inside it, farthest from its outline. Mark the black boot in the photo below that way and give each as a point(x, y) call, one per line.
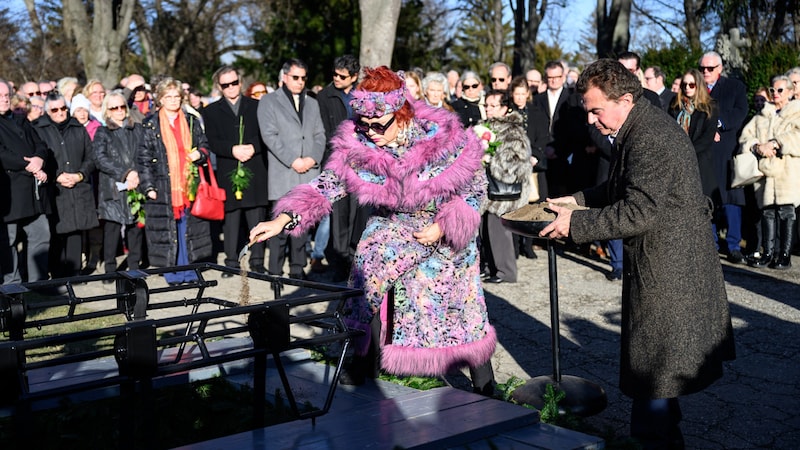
point(784, 260)
point(768, 229)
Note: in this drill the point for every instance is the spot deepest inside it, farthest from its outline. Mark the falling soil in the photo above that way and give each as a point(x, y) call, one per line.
point(538, 212)
point(244, 294)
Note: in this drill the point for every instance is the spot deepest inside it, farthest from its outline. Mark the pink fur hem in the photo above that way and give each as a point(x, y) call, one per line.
point(459, 223)
point(437, 361)
point(305, 201)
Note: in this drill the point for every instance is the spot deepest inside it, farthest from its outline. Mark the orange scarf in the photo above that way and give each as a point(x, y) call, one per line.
point(178, 142)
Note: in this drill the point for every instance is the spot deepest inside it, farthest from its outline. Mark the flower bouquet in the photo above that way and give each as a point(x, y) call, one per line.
point(136, 202)
point(488, 139)
point(240, 178)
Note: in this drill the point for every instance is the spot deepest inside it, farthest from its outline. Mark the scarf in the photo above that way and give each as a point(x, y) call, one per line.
point(685, 116)
point(481, 101)
point(178, 142)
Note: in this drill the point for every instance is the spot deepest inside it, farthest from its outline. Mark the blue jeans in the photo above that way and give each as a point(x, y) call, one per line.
point(321, 238)
point(733, 219)
point(615, 253)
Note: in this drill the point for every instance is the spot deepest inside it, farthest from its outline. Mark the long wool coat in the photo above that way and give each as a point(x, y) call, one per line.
point(781, 184)
point(676, 327)
point(439, 314)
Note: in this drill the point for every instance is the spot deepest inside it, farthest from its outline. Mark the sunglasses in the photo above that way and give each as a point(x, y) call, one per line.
point(779, 90)
point(471, 86)
point(298, 77)
point(55, 110)
point(364, 127)
point(340, 76)
point(494, 80)
point(35, 94)
point(227, 85)
point(117, 108)
point(688, 85)
point(708, 68)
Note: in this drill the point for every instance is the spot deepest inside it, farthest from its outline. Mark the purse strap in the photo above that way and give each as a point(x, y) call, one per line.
point(212, 178)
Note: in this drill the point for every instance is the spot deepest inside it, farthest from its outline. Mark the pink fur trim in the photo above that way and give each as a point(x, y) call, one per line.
point(437, 361)
point(305, 201)
point(459, 223)
point(402, 188)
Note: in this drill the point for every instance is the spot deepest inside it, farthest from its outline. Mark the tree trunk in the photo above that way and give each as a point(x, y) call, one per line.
point(692, 17)
point(613, 28)
point(526, 31)
point(378, 29)
point(100, 40)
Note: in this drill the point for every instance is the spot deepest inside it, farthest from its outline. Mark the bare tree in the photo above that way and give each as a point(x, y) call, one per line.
point(526, 30)
point(613, 27)
point(378, 29)
point(101, 37)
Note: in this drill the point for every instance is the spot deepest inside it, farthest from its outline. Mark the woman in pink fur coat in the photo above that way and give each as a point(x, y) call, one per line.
point(423, 308)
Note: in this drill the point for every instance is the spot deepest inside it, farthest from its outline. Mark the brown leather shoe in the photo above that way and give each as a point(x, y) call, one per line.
point(317, 266)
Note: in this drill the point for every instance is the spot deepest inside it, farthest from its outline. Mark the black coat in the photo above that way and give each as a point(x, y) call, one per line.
point(702, 129)
point(71, 150)
point(161, 229)
point(731, 97)
point(469, 112)
point(333, 112)
point(222, 131)
point(20, 198)
point(115, 156)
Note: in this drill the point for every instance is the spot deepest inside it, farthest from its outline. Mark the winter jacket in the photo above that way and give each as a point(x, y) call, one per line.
point(71, 153)
point(781, 182)
point(115, 150)
point(22, 196)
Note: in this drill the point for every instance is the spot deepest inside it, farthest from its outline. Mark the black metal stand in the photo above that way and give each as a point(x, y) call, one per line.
point(583, 397)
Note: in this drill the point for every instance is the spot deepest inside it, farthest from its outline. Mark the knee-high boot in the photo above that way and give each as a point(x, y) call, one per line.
point(768, 229)
point(784, 260)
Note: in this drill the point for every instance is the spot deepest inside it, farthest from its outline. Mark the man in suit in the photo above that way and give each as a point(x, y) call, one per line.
point(233, 135)
point(654, 80)
point(731, 97)
point(568, 133)
point(347, 218)
point(292, 129)
point(675, 322)
point(632, 62)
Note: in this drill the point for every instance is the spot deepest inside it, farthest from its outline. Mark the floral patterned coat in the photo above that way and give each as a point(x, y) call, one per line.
point(438, 317)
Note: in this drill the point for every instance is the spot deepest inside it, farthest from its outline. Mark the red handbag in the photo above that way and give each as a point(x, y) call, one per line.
point(209, 203)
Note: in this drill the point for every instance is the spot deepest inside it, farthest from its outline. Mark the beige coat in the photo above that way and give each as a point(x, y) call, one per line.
point(781, 183)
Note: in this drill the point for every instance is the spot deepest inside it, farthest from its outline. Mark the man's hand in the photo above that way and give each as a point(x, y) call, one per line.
point(303, 165)
point(559, 228)
point(35, 163)
point(243, 152)
point(68, 180)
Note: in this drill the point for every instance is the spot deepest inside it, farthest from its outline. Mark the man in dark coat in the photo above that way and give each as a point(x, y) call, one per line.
point(654, 80)
point(233, 135)
point(731, 97)
point(22, 204)
point(74, 212)
point(568, 136)
point(676, 328)
point(347, 218)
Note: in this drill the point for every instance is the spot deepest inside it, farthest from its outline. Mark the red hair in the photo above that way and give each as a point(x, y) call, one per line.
point(383, 79)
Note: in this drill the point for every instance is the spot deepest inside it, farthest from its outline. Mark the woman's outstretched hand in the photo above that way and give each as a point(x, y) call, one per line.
point(266, 230)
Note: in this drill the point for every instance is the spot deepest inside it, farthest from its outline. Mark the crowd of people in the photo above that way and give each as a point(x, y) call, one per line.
point(402, 178)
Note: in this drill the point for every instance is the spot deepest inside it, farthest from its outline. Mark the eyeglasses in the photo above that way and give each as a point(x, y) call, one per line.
point(688, 85)
point(55, 110)
point(779, 90)
point(298, 77)
point(258, 93)
point(555, 78)
point(227, 85)
point(97, 93)
point(34, 94)
point(117, 108)
point(364, 127)
point(340, 76)
point(471, 86)
point(494, 80)
point(39, 107)
point(708, 68)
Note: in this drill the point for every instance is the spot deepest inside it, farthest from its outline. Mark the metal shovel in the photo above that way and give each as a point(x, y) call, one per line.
point(246, 248)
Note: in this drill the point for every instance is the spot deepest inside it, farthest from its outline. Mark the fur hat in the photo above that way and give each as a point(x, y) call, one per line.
point(79, 101)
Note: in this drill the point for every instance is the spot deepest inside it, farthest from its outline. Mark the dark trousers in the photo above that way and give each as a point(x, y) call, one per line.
point(655, 423)
point(297, 253)
point(348, 221)
point(65, 254)
point(112, 235)
point(498, 248)
point(233, 242)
